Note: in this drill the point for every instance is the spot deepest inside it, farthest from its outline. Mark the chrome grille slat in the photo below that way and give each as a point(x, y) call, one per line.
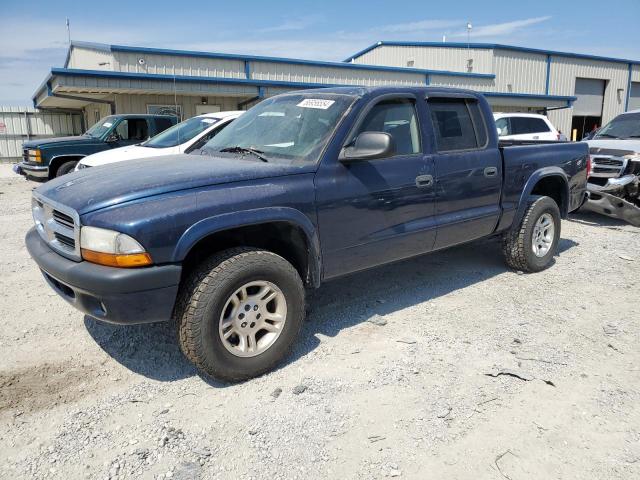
point(57, 225)
point(607, 166)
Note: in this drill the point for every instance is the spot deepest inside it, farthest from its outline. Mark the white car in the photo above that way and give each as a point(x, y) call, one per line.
point(181, 138)
point(525, 126)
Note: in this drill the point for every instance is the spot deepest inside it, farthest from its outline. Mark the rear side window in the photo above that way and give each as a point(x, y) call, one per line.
point(458, 124)
point(398, 119)
point(163, 123)
point(525, 125)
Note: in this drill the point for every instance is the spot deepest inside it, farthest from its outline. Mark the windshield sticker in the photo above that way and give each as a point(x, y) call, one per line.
point(107, 124)
point(209, 120)
point(316, 103)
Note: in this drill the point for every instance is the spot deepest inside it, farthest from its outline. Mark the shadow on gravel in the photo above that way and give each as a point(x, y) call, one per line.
point(585, 217)
point(151, 350)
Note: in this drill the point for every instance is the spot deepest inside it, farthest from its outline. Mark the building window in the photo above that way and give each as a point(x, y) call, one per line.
point(175, 110)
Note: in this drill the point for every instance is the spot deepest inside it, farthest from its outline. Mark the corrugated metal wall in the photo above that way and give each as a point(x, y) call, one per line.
point(433, 58)
point(519, 72)
point(565, 70)
point(180, 65)
point(26, 123)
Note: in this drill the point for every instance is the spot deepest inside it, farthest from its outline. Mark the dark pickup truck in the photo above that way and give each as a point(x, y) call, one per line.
point(303, 188)
point(53, 157)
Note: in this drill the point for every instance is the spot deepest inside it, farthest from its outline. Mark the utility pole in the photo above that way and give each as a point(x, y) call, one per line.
point(68, 32)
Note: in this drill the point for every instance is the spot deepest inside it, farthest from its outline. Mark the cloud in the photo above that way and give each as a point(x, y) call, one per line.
point(502, 29)
point(294, 24)
point(420, 26)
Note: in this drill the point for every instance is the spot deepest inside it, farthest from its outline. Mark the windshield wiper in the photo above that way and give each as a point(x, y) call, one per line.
point(608, 135)
point(253, 151)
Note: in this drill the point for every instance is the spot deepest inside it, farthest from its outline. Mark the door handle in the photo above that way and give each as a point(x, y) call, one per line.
point(423, 181)
point(490, 172)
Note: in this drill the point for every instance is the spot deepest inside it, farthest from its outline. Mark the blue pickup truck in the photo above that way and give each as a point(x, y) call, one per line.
point(303, 188)
point(48, 158)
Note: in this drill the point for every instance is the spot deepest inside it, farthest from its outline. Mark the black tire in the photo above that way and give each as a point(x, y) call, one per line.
point(66, 167)
point(203, 296)
point(517, 243)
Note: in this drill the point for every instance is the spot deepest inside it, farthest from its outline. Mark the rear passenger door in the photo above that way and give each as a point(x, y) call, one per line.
point(468, 171)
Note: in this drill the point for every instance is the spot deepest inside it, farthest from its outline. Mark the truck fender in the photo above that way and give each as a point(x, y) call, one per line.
point(551, 171)
point(228, 221)
point(58, 160)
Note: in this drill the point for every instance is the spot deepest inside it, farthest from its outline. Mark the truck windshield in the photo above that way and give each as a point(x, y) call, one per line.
point(102, 127)
point(182, 132)
point(291, 127)
point(623, 126)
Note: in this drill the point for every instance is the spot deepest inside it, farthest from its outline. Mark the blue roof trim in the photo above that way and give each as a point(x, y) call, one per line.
point(490, 46)
point(292, 61)
point(258, 83)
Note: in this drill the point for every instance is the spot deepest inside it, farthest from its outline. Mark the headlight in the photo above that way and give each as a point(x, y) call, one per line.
point(114, 249)
point(35, 155)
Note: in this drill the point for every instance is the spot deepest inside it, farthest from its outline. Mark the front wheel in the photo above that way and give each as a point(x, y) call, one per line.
point(65, 168)
point(530, 247)
point(239, 313)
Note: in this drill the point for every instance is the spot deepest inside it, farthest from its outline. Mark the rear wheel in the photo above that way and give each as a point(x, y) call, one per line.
point(66, 167)
point(531, 246)
point(239, 313)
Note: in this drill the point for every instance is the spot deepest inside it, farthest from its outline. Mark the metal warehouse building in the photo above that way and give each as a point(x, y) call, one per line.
point(577, 91)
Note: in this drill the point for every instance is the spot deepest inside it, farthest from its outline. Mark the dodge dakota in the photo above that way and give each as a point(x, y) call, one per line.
point(303, 188)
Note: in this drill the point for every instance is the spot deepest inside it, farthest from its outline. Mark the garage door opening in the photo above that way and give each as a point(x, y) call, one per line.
point(587, 109)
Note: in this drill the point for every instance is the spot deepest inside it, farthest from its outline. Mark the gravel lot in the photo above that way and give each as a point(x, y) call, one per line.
point(447, 366)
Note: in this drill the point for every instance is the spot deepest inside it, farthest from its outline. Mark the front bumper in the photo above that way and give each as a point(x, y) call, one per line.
point(606, 204)
point(38, 171)
point(115, 295)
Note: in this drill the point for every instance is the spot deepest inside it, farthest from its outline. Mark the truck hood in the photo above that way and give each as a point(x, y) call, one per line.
point(125, 153)
point(621, 147)
point(95, 188)
point(61, 141)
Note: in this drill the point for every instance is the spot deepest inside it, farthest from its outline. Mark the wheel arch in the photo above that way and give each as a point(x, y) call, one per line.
point(58, 160)
point(284, 231)
point(549, 181)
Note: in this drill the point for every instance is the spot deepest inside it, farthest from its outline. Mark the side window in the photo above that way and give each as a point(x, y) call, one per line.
point(526, 125)
point(398, 119)
point(133, 129)
point(163, 123)
point(502, 124)
point(201, 143)
point(458, 124)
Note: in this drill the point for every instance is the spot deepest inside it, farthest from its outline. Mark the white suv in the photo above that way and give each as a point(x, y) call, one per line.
point(525, 126)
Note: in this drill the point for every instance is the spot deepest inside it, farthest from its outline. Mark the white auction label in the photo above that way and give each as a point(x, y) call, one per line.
point(316, 103)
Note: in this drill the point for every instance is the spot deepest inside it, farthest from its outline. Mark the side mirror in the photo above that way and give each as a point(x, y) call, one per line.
point(113, 137)
point(369, 146)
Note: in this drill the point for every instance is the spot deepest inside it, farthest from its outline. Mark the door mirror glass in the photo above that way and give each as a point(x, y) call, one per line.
point(112, 137)
point(369, 146)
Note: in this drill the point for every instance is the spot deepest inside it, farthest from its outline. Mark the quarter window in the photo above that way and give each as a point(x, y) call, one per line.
point(525, 125)
point(458, 124)
point(398, 119)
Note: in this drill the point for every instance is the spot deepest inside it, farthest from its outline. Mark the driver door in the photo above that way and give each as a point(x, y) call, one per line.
point(372, 212)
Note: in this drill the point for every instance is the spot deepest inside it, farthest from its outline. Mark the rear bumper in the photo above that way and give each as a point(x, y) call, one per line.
point(37, 171)
point(115, 295)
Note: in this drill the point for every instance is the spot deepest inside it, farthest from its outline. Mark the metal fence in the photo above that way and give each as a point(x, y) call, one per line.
point(19, 124)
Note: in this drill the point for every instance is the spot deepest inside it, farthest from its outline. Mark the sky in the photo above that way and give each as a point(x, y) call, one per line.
point(33, 35)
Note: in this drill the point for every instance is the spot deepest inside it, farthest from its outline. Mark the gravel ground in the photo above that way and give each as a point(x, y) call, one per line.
point(446, 366)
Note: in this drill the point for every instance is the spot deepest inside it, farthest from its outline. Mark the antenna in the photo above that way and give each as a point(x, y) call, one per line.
point(469, 59)
point(68, 31)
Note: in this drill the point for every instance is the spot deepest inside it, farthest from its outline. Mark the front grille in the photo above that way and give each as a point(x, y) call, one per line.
point(63, 218)
point(25, 155)
point(57, 225)
point(608, 161)
point(607, 166)
point(66, 241)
